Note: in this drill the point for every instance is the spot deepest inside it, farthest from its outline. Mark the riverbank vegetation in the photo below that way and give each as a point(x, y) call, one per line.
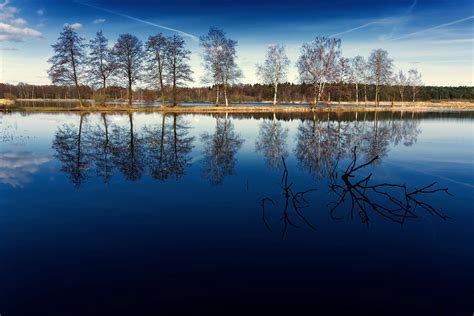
point(159, 70)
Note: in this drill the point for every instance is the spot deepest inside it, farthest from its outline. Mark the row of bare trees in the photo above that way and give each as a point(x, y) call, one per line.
point(162, 63)
point(164, 149)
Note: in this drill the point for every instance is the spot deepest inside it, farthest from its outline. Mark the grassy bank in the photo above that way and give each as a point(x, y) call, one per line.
point(384, 106)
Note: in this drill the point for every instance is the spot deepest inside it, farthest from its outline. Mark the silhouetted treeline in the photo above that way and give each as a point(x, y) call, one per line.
point(288, 93)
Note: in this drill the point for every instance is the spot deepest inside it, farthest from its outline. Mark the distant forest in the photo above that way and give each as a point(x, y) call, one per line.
point(288, 93)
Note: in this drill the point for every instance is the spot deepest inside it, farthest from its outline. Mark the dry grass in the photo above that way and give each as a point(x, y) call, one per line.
point(7, 102)
point(8, 105)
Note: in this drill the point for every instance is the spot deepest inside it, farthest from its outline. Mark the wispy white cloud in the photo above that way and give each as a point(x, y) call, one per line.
point(40, 12)
point(74, 26)
point(184, 34)
point(13, 28)
point(433, 28)
point(99, 21)
point(453, 41)
point(16, 168)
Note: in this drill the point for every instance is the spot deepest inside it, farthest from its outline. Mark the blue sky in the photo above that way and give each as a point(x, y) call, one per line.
point(434, 36)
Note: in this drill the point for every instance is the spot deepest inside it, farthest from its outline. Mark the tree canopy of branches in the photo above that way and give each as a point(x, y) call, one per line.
point(177, 69)
point(414, 80)
point(68, 60)
point(274, 70)
point(359, 75)
point(129, 55)
point(101, 61)
point(380, 70)
point(156, 48)
point(401, 81)
point(219, 60)
point(317, 64)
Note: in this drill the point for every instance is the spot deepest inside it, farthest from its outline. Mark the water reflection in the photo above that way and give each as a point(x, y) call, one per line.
point(321, 141)
point(69, 151)
point(272, 142)
point(16, 168)
point(168, 148)
point(219, 151)
point(164, 149)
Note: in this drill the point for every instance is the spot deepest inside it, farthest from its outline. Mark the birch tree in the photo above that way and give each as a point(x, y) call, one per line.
point(155, 49)
point(274, 70)
point(219, 61)
point(401, 81)
point(178, 71)
point(415, 82)
point(359, 72)
point(212, 44)
point(317, 64)
point(344, 70)
point(129, 55)
point(67, 64)
point(101, 62)
point(380, 70)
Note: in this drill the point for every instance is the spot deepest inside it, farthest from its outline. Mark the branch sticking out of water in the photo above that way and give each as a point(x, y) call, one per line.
point(399, 203)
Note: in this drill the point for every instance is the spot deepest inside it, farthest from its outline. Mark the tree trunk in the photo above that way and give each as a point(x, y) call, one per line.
point(357, 93)
point(130, 93)
point(365, 93)
point(217, 94)
point(225, 95)
point(275, 95)
point(376, 95)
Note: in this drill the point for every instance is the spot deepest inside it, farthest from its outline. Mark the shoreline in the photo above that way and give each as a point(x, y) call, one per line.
point(422, 106)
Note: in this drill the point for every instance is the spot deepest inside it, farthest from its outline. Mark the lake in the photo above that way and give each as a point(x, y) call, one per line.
point(237, 214)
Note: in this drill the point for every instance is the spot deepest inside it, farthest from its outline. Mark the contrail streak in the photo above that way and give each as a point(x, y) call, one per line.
point(354, 29)
point(434, 28)
point(191, 36)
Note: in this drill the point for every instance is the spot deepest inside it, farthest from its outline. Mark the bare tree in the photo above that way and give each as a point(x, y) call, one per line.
point(155, 60)
point(275, 68)
point(359, 73)
point(401, 82)
point(101, 61)
point(68, 60)
point(317, 64)
point(213, 43)
point(380, 70)
point(129, 56)
point(219, 60)
point(177, 69)
point(414, 80)
point(344, 70)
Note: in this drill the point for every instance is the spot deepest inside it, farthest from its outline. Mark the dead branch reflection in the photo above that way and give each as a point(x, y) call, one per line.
point(297, 200)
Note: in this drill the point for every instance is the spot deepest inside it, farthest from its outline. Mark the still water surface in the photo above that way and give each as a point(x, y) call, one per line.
point(117, 213)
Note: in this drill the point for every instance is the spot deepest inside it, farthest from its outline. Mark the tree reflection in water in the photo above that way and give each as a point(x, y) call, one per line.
point(219, 152)
point(322, 142)
point(168, 148)
point(128, 151)
point(69, 151)
point(164, 150)
point(272, 142)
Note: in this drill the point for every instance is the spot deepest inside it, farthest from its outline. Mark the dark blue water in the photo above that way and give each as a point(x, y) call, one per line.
point(144, 214)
